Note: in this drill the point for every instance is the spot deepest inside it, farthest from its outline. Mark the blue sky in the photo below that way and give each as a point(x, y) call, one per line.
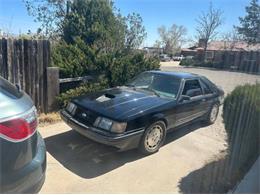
point(14, 17)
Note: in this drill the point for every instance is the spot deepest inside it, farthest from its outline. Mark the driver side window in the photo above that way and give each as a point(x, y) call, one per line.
point(192, 88)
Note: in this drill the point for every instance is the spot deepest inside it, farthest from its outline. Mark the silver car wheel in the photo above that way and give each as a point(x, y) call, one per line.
point(153, 138)
point(214, 113)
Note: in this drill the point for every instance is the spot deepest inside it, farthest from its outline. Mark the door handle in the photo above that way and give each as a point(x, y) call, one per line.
point(203, 100)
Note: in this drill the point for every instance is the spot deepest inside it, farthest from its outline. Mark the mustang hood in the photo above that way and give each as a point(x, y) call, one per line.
point(120, 103)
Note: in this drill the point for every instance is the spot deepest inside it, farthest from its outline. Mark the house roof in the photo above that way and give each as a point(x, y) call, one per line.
point(188, 49)
point(234, 46)
point(228, 45)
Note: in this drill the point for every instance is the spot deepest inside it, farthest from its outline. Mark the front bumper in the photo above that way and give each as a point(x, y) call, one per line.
point(30, 178)
point(126, 141)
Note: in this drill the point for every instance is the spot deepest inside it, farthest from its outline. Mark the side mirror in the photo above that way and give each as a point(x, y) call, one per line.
point(184, 98)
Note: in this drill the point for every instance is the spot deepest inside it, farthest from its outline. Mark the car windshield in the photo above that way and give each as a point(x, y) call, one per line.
point(160, 84)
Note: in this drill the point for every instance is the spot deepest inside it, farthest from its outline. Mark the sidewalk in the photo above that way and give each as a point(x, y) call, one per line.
point(250, 184)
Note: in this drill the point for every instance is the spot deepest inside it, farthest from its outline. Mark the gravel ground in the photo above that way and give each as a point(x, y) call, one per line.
point(79, 165)
point(226, 79)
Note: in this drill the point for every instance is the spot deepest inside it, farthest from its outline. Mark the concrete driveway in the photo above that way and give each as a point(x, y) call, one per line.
point(79, 165)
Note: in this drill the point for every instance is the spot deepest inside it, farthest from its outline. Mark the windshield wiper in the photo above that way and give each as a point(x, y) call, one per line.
point(132, 86)
point(129, 85)
point(155, 92)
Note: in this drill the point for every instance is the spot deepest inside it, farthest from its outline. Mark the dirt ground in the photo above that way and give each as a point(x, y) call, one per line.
point(76, 164)
point(171, 63)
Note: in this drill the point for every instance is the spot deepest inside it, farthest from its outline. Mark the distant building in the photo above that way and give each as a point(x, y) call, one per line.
point(216, 48)
point(237, 55)
point(153, 51)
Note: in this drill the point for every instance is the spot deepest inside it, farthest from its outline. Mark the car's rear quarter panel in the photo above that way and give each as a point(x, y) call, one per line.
point(15, 156)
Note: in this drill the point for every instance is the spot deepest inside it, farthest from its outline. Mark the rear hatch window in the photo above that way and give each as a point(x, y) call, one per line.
point(9, 89)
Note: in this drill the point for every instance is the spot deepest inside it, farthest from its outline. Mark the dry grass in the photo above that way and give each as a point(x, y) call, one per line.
point(50, 118)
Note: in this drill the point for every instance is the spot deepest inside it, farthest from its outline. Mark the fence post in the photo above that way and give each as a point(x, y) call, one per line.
point(53, 87)
point(258, 62)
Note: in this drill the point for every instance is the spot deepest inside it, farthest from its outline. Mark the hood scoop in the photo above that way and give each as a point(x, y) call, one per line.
point(105, 97)
point(111, 96)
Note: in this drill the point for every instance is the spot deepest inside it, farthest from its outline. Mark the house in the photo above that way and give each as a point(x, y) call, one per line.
point(215, 49)
point(237, 55)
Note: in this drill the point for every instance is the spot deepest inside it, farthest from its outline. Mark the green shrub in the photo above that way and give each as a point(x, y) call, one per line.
point(64, 98)
point(241, 114)
point(209, 64)
point(73, 60)
point(205, 64)
point(194, 62)
point(187, 62)
point(127, 66)
point(80, 60)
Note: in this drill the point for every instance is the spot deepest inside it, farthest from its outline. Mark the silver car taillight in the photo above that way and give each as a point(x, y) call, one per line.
point(20, 127)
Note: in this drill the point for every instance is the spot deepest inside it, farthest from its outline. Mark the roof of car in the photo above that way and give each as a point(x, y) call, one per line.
point(181, 75)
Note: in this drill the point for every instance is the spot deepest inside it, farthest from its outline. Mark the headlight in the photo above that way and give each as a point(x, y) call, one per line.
point(118, 127)
point(111, 125)
point(71, 108)
point(105, 123)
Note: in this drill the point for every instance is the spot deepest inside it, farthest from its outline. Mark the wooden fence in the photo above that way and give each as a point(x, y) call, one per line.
point(243, 61)
point(24, 62)
point(66, 84)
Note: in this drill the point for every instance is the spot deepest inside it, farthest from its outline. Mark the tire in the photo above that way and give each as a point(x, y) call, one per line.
point(212, 114)
point(153, 138)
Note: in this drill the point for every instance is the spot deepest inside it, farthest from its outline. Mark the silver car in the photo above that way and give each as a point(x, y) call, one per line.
point(22, 149)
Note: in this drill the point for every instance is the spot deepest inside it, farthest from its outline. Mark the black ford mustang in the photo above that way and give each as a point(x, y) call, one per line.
point(140, 113)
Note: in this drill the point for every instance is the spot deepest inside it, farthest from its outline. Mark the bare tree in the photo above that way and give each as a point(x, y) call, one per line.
point(49, 13)
point(207, 24)
point(158, 46)
point(172, 39)
point(231, 39)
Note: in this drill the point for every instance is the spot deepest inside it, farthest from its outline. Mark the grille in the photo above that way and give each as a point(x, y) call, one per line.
point(85, 116)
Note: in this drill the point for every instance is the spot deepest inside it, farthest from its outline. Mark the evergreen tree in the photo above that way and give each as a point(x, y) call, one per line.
point(250, 24)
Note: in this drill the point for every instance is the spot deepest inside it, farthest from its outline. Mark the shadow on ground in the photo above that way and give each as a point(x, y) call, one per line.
point(218, 176)
point(209, 179)
point(89, 159)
